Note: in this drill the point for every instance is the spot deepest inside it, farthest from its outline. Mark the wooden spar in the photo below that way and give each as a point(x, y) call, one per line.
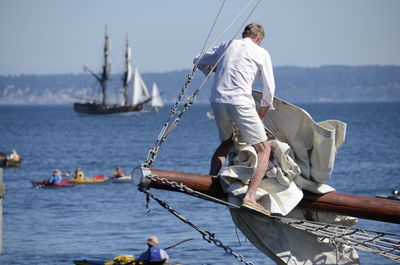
point(351, 205)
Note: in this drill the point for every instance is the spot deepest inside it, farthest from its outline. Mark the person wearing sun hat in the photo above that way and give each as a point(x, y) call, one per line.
point(154, 254)
point(56, 178)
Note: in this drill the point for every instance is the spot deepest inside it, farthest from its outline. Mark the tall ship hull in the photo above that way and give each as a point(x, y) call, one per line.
point(95, 108)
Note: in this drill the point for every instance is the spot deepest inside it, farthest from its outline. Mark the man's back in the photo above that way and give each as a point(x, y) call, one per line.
point(236, 72)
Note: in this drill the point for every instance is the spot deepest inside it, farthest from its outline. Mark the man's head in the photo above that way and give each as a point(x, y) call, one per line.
point(152, 241)
point(255, 32)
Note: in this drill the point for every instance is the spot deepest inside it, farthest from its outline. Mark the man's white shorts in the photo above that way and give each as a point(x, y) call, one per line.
point(245, 118)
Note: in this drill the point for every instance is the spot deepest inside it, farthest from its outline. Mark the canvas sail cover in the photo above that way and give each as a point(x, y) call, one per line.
point(303, 154)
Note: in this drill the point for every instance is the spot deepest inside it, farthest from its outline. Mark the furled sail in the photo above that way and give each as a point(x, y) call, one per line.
point(128, 71)
point(106, 67)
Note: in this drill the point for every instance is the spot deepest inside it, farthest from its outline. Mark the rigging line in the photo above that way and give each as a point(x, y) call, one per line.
point(212, 27)
point(152, 154)
point(208, 37)
point(234, 21)
point(197, 91)
point(222, 55)
point(234, 36)
point(226, 29)
point(167, 129)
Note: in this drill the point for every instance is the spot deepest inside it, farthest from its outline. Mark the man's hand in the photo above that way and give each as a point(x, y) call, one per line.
point(262, 111)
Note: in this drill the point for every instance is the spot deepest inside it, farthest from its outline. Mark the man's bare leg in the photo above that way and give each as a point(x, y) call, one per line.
point(263, 150)
point(218, 159)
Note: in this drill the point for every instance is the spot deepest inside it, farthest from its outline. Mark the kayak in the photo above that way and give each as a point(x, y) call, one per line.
point(111, 262)
point(389, 197)
point(89, 262)
point(127, 259)
point(124, 179)
point(46, 184)
point(95, 179)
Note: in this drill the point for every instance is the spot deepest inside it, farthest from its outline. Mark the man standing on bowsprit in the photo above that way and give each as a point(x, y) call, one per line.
point(242, 62)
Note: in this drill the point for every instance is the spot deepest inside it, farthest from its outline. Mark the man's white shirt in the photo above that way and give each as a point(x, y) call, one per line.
point(242, 63)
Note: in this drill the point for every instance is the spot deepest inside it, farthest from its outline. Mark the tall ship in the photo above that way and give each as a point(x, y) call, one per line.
point(134, 91)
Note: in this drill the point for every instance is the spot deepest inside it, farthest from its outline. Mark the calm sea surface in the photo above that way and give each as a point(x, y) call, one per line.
point(100, 221)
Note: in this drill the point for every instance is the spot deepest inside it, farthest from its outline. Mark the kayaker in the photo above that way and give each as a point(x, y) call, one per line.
point(153, 253)
point(56, 178)
point(13, 156)
point(118, 173)
point(78, 174)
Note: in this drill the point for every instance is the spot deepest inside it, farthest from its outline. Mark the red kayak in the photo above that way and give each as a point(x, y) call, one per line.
point(46, 184)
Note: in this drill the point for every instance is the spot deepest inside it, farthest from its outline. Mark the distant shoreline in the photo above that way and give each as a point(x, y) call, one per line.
point(333, 83)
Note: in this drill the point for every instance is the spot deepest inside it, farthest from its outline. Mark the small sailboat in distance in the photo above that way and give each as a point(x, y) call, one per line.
point(156, 101)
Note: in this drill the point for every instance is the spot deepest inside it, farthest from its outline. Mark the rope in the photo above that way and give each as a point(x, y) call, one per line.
point(212, 27)
point(234, 20)
point(381, 243)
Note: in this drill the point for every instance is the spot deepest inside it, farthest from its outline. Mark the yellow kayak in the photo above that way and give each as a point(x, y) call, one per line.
point(95, 179)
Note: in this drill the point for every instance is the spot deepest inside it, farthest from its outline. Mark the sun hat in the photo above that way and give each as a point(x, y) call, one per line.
point(152, 241)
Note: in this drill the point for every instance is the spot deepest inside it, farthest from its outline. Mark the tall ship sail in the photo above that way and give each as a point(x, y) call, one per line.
point(135, 93)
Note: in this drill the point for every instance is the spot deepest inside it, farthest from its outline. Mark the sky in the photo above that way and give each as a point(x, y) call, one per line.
point(61, 36)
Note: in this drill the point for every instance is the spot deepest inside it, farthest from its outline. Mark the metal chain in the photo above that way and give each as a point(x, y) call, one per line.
point(185, 189)
point(207, 236)
point(167, 129)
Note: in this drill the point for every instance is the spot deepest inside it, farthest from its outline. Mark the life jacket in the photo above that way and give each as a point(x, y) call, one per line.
point(155, 254)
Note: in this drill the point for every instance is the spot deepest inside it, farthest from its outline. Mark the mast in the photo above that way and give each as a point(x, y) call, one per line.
point(106, 68)
point(128, 71)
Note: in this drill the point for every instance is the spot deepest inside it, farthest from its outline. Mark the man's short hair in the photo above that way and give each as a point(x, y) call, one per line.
point(253, 30)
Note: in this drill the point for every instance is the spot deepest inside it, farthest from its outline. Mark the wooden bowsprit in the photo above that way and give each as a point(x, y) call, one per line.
point(351, 205)
point(207, 187)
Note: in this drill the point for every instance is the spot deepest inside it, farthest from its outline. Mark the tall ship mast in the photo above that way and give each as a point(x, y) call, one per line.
point(106, 67)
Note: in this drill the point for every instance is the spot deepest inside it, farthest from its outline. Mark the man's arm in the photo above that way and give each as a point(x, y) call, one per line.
point(268, 79)
point(208, 59)
point(164, 254)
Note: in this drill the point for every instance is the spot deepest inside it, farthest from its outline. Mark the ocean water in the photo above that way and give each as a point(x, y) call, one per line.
point(100, 221)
